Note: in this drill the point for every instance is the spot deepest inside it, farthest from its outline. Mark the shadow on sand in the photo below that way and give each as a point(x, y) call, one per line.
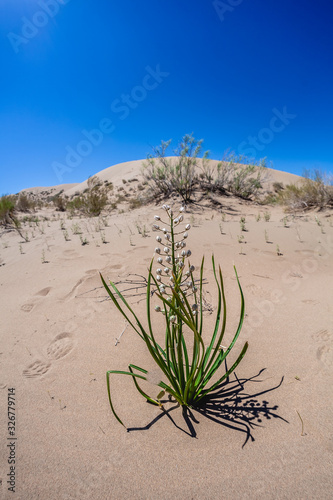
point(230, 405)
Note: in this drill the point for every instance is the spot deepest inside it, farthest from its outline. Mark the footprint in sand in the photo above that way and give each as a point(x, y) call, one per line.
point(27, 307)
point(324, 351)
point(60, 346)
point(30, 305)
point(36, 369)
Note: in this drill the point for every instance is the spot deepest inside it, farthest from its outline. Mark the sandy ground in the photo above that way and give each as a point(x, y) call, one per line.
point(268, 434)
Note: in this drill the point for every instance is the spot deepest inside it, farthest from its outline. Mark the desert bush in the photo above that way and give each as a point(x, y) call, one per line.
point(187, 366)
point(168, 175)
point(7, 209)
point(92, 201)
point(313, 191)
point(60, 203)
point(23, 203)
point(239, 176)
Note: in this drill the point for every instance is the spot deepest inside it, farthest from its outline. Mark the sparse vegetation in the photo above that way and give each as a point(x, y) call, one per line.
point(313, 191)
point(187, 172)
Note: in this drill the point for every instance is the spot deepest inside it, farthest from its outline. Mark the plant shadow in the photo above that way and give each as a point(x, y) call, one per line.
point(230, 405)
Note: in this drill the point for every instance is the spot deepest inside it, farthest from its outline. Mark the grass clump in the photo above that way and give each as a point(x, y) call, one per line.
point(313, 191)
point(187, 363)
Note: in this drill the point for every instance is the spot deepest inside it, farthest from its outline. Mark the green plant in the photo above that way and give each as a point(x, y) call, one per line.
point(187, 367)
point(167, 175)
point(84, 241)
point(258, 218)
point(267, 216)
point(266, 236)
point(242, 224)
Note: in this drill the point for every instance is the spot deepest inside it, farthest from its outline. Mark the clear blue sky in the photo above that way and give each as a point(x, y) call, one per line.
point(253, 76)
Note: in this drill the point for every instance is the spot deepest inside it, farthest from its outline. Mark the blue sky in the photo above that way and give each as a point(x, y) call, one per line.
point(86, 85)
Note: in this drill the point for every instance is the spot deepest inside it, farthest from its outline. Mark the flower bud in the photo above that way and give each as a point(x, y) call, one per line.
point(183, 253)
point(159, 239)
point(185, 235)
point(155, 226)
point(157, 250)
point(157, 217)
point(158, 271)
point(168, 259)
point(166, 250)
point(181, 218)
point(194, 307)
point(160, 260)
point(157, 308)
point(158, 278)
point(188, 253)
point(187, 227)
point(182, 209)
point(173, 319)
point(192, 268)
point(164, 230)
point(166, 270)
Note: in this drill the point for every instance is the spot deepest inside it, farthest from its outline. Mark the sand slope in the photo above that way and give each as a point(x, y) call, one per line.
point(269, 437)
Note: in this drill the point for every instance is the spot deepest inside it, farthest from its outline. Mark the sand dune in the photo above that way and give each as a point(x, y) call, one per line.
point(269, 435)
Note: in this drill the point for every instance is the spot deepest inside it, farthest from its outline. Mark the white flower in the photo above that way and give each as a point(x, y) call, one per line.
point(168, 259)
point(157, 217)
point(158, 271)
point(187, 227)
point(160, 260)
point(166, 250)
point(159, 239)
point(157, 250)
point(182, 209)
point(185, 235)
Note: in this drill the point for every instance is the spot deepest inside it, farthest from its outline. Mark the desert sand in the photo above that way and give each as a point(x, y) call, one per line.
point(267, 435)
